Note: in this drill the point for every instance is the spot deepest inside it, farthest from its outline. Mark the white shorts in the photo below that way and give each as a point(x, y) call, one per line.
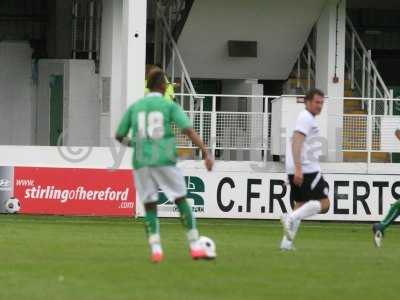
point(149, 180)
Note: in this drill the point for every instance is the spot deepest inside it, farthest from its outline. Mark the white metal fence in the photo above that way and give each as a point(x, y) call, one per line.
point(229, 130)
point(230, 127)
point(360, 136)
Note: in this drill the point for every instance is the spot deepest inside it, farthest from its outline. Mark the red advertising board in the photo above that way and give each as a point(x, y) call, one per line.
point(72, 191)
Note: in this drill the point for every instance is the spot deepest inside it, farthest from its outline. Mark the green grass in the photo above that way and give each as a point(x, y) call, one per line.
point(90, 258)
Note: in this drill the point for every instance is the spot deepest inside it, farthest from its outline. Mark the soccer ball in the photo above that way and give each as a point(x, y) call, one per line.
point(13, 206)
point(209, 246)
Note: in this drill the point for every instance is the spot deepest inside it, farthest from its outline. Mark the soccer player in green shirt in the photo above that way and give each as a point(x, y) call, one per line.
point(154, 161)
point(378, 229)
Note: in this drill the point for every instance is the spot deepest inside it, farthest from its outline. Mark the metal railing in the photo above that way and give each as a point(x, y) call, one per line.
point(177, 11)
point(230, 128)
point(305, 68)
point(172, 61)
point(363, 74)
point(86, 28)
point(372, 132)
point(360, 137)
point(363, 77)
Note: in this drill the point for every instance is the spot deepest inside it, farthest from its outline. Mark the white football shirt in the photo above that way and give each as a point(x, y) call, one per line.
point(307, 125)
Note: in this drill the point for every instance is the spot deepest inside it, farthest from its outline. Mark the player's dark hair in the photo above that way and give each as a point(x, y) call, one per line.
point(156, 80)
point(312, 93)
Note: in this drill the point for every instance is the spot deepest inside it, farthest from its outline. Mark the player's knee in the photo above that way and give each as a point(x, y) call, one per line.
point(325, 205)
point(396, 204)
point(179, 200)
point(150, 206)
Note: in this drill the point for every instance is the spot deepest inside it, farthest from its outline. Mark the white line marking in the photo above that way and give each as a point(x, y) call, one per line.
point(219, 223)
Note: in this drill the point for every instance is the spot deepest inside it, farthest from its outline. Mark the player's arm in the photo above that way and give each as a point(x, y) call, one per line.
point(183, 122)
point(196, 139)
point(297, 146)
point(123, 130)
point(397, 133)
point(302, 129)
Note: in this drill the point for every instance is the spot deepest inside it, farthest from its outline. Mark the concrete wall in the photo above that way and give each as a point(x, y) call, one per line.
point(81, 110)
point(16, 97)
point(101, 157)
point(81, 119)
point(280, 27)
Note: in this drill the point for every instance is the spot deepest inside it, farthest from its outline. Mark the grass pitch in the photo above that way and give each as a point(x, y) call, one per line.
point(89, 258)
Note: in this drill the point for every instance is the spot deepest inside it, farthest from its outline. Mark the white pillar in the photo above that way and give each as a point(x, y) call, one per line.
point(116, 109)
point(331, 48)
point(133, 50)
point(330, 66)
point(106, 45)
point(106, 42)
point(128, 56)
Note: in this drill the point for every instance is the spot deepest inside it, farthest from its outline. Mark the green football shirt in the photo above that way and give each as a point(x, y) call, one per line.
point(150, 119)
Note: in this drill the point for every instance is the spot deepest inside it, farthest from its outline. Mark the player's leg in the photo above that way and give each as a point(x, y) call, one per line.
point(298, 197)
point(189, 222)
point(148, 190)
point(314, 195)
point(379, 228)
point(152, 225)
point(188, 219)
point(172, 182)
point(197, 250)
point(310, 208)
point(314, 200)
point(286, 244)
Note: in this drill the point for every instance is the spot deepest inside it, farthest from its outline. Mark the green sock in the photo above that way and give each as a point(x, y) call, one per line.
point(151, 222)
point(187, 216)
point(393, 213)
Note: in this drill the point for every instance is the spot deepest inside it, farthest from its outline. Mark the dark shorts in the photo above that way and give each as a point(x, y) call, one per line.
point(314, 187)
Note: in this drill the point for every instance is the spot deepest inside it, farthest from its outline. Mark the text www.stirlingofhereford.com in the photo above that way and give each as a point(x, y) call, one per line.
point(80, 193)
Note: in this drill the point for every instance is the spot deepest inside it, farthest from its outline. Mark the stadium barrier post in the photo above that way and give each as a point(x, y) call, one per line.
point(353, 46)
point(363, 76)
point(182, 88)
point(369, 133)
point(214, 125)
point(369, 75)
point(201, 122)
point(266, 129)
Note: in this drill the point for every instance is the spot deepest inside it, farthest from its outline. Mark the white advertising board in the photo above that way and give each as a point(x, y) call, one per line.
point(354, 197)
